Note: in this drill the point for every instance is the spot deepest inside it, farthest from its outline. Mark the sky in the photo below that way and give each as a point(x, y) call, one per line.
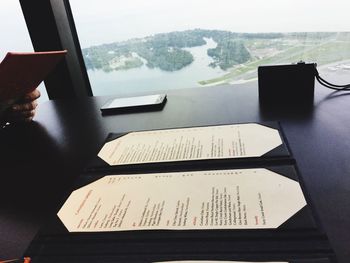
point(105, 21)
point(14, 33)
point(122, 20)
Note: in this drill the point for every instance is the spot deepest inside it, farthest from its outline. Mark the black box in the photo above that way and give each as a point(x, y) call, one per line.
point(287, 85)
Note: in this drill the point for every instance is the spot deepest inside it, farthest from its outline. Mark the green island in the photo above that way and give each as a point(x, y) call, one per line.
point(237, 54)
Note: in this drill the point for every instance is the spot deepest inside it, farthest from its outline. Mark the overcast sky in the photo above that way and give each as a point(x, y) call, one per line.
point(13, 30)
point(106, 21)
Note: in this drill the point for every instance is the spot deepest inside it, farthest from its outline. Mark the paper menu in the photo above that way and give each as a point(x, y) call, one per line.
point(198, 143)
point(220, 199)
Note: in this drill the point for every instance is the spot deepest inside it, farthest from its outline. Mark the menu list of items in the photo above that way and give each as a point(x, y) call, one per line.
point(211, 142)
point(223, 199)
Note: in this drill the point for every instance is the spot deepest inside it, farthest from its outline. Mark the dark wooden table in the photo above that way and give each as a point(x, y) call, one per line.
point(40, 161)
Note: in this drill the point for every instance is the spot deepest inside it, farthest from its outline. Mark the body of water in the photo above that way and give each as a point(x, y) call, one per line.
point(138, 80)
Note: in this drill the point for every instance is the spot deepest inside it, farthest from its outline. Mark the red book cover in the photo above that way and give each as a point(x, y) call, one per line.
point(21, 73)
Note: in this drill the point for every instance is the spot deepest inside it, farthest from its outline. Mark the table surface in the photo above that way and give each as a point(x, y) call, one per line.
point(40, 160)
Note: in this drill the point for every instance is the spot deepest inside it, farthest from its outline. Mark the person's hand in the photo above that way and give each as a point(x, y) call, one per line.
point(24, 109)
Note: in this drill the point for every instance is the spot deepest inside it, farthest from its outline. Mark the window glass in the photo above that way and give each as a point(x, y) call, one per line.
point(135, 46)
point(14, 34)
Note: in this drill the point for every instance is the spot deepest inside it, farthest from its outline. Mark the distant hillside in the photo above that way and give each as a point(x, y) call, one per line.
point(237, 53)
point(165, 51)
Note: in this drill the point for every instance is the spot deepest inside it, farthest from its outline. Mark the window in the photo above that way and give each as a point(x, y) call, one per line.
point(14, 34)
point(135, 46)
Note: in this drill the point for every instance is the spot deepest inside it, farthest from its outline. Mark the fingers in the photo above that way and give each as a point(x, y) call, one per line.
point(31, 96)
point(23, 112)
point(24, 109)
point(20, 116)
point(29, 106)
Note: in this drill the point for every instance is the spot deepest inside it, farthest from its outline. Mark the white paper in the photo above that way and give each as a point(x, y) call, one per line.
point(211, 142)
point(224, 199)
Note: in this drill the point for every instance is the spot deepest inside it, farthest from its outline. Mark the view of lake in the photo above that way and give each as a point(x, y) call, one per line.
point(195, 58)
point(136, 46)
point(141, 79)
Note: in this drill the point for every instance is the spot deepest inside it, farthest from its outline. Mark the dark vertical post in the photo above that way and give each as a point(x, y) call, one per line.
point(51, 27)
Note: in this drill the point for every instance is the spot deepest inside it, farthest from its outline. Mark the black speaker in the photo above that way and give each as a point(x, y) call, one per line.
point(287, 86)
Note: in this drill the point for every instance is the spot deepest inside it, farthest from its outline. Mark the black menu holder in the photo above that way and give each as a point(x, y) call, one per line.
point(300, 239)
point(277, 156)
